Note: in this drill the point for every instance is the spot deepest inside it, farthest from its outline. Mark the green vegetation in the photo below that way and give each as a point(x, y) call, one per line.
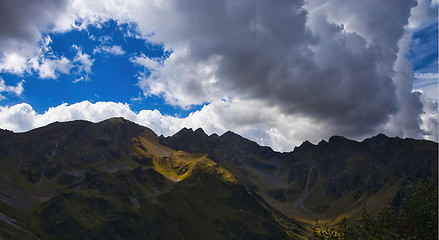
point(332, 180)
point(416, 218)
point(118, 180)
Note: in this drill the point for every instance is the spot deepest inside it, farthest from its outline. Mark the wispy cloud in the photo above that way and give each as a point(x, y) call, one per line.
point(426, 79)
point(17, 90)
point(114, 50)
point(83, 65)
point(144, 61)
point(427, 83)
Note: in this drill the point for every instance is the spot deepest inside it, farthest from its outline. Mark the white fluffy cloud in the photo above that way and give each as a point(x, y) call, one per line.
point(274, 128)
point(50, 68)
point(13, 63)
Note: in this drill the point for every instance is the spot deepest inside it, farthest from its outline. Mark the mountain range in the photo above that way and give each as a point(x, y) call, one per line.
point(119, 180)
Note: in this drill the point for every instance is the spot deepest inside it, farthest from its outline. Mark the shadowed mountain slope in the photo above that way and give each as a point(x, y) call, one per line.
point(118, 180)
point(113, 180)
point(330, 180)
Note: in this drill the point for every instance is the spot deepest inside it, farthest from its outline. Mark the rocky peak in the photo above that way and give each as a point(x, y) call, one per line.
point(378, 140)
point(200, 133)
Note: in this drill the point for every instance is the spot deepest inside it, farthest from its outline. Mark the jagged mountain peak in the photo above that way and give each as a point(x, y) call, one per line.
point(200, 131)
point(337, 139)
point(229, 134)
point(306, 144)
point(322, 143)
point(379, 139)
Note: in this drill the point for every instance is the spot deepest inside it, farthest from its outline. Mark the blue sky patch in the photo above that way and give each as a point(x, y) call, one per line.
point(423, 52)
point(113, 77)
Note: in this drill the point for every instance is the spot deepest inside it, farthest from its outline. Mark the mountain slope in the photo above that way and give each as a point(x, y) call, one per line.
point(330, 180)
point(113, 180)
point(118, 180)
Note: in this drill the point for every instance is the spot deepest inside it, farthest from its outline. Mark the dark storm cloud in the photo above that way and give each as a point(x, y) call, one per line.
point(330, 66)
point(328, 60)
point(21, 21)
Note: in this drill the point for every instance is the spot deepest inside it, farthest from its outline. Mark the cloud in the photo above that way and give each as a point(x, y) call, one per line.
point(22, 22)
point(83, 65)
point(280, 131)
point(114, 50)
point(414, 108)
point(427, 83)
point(146, 62)
point(13, 63)
point(17, 90)
point(50, 68)
point(45, 63)
point(429, 119)
point(288, 69)
point(424, 14)
point(330, 60)
point(20, 117)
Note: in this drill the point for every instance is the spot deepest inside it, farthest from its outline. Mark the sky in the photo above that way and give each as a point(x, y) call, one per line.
point(278, 72)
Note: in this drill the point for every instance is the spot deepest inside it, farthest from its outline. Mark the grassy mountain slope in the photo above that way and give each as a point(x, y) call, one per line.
point(330, 181)
point(113, 180)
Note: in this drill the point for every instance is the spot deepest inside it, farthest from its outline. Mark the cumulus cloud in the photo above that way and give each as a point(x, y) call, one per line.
point(13, 63)
point(50, 68)
point(22, 117)
point(415, 112)
point(429, 119)
point(274, 128)
point(339, 62)
point(289, 69)
point(330, 60)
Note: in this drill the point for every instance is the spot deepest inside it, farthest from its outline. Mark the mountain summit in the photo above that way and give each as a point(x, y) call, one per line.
point(118, 180)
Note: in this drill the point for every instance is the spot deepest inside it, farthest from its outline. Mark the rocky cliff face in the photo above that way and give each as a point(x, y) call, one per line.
point(118, 180)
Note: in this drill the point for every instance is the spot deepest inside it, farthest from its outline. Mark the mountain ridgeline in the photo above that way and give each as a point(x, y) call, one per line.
point(118, 180)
